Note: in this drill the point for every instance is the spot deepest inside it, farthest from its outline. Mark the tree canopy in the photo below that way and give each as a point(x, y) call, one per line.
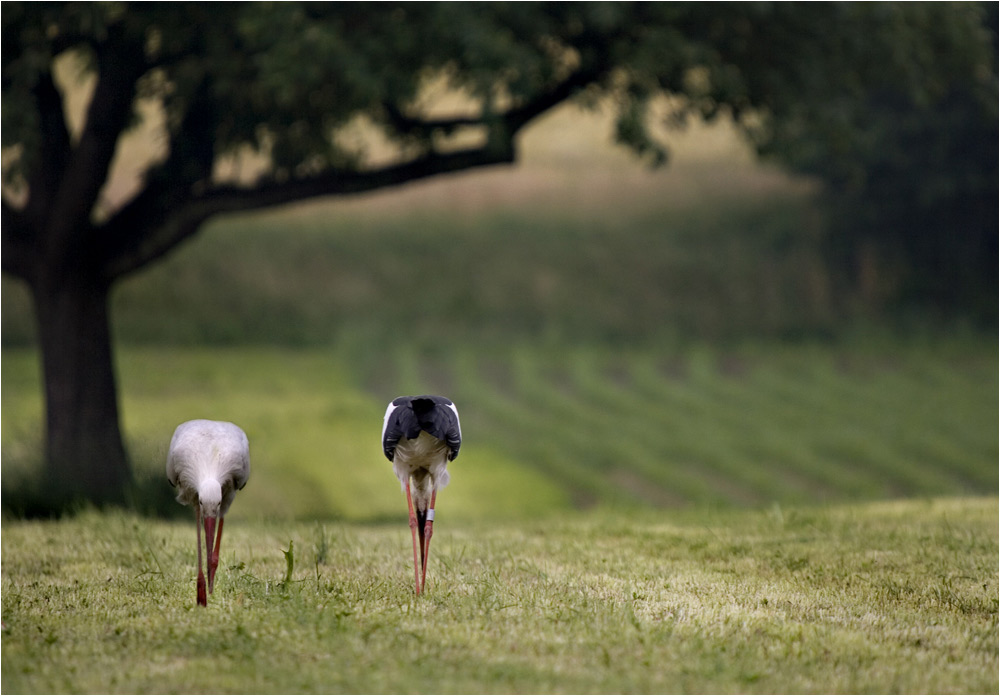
point(865, 96)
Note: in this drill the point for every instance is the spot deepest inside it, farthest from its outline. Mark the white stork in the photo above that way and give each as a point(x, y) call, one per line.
point(208, 462)
point(420, 435)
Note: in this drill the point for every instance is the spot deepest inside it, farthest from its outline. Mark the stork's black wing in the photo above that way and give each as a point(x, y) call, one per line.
point(438, 416)
point(393, 427)
point(406, 416)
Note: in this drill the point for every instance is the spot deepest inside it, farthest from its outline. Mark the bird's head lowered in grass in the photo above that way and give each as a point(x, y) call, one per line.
point(210, 497)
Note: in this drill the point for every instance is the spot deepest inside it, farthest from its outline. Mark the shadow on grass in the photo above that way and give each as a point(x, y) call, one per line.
point(27, 495)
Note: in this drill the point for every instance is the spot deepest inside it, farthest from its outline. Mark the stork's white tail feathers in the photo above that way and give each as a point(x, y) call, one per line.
point(424, 461)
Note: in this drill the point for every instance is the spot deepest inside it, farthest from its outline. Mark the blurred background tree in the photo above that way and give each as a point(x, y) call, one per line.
point(893, 106)
point(906, 148)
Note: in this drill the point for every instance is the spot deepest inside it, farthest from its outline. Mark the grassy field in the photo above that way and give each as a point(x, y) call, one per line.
point(325, 273)
point(663, 393)
point(894, 597)
point(549, 428)
point(613, 335)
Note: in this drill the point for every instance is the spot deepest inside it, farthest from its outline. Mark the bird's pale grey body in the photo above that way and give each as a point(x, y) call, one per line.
point(208, 462)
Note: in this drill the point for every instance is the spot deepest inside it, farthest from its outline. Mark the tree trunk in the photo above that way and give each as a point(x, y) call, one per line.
point(84, 454)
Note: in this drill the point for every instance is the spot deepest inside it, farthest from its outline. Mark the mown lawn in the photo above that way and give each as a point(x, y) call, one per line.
point(897, 597)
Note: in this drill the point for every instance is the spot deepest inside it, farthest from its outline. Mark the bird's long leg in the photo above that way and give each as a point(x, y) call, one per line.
point(213, 558)
point(421, 516)
point(413, 533)
point(202, 597)
point(428, 532)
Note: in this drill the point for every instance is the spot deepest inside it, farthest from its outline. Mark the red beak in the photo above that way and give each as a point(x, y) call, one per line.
point(212, 560)
point(202, 585)
point(209, 538)
point(209, 530)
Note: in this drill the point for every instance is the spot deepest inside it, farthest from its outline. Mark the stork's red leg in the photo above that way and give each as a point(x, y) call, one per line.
point(202, 597)
point(213, 560)
point(413, 533)
point(428, 532)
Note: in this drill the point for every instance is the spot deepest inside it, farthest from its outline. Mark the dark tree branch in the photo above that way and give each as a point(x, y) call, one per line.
point(48, 169)
point(519, 117)
point(16, 248)
point(417, 126)
point(120, 65)
point(67, 40)
point(515, 118)
point(164, 215)
point(192, 147)
point(133, 248)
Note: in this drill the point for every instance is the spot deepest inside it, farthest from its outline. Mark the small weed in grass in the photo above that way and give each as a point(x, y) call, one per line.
point(289, 563)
